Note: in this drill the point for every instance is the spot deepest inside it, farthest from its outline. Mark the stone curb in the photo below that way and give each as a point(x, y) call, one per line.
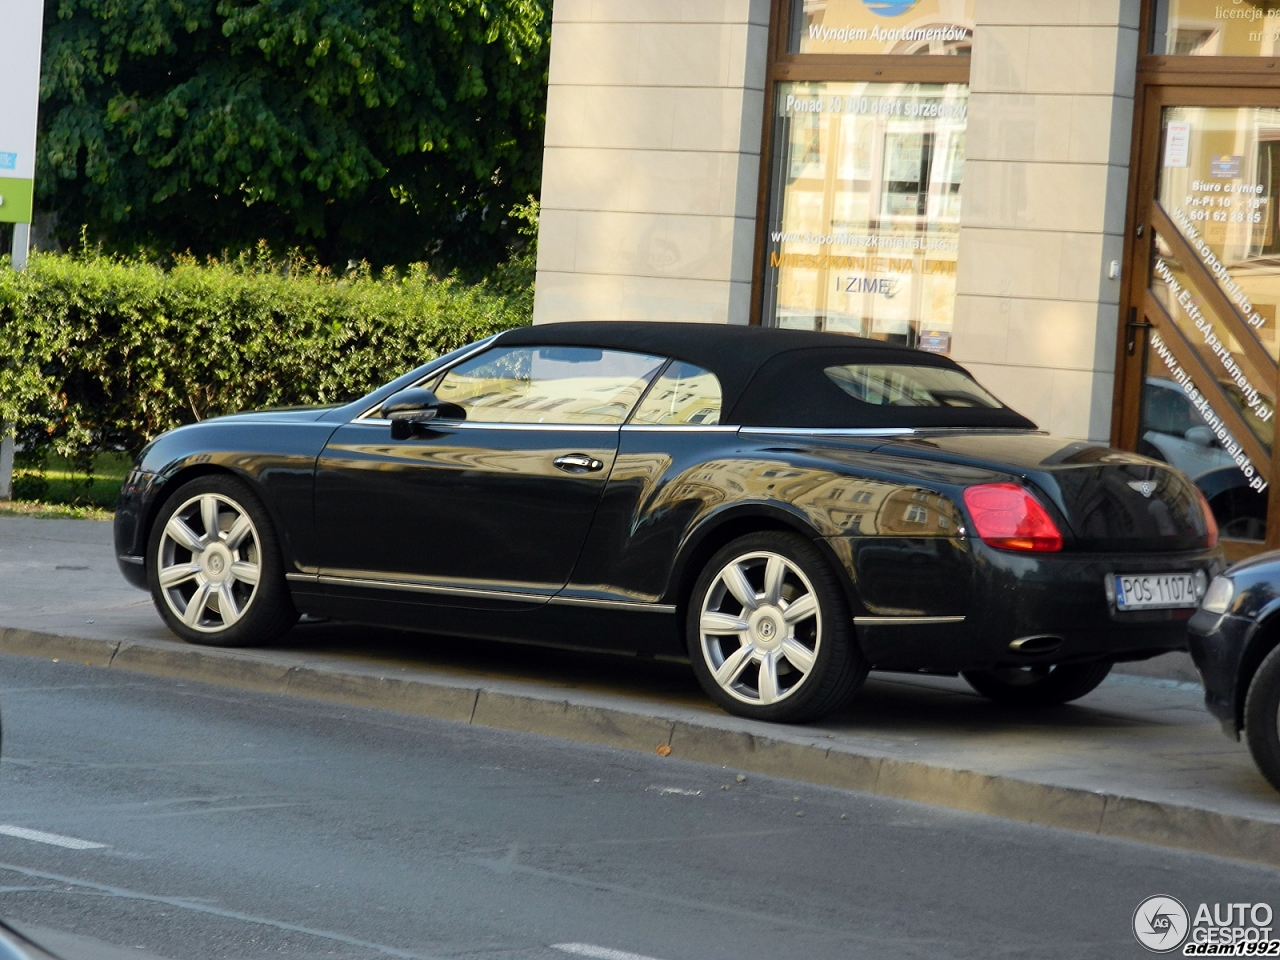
point(788, 754)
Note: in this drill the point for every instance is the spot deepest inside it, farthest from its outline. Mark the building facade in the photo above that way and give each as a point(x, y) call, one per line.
point(1077, 199)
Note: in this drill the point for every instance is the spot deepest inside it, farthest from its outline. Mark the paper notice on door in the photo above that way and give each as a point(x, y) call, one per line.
point(1177, 143)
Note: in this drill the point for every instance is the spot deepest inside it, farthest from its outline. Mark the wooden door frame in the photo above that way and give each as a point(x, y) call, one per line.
point(1163, 82)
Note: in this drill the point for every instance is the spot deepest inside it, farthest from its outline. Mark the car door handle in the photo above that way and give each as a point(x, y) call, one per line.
point(578, 463)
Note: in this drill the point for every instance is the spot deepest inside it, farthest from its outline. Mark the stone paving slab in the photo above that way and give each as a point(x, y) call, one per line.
point(1138, 758)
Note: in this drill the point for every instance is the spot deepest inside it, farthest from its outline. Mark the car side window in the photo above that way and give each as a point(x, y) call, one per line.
point(564, 385)
point(684, 395)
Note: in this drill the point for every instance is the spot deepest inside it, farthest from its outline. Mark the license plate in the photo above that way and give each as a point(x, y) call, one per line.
point(1155, 591)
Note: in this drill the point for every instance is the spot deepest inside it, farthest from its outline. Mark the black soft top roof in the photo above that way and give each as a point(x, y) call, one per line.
point(770, 376)
point(733, 353)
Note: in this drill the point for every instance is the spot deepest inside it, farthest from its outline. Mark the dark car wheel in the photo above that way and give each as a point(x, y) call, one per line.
point(1262, 718)
point(1038, 686)
point(214, 566)
point(769, 631)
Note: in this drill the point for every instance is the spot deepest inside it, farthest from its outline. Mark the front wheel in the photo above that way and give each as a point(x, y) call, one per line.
point(1262, 718)
point(1042, 685)
point(214, 566)
point(769, 631)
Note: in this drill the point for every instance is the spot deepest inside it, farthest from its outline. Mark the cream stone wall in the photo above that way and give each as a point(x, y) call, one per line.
point(652, 160)
point(1042, 216)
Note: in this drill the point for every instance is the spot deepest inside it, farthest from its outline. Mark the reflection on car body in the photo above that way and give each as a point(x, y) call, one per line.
point(786, 509)
point(1174, 432)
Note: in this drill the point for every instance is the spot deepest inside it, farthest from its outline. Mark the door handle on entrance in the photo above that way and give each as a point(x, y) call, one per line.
point(578, 463)
point(1134, 326)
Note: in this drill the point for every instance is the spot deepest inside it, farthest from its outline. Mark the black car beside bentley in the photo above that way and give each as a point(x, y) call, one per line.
point(788, 509)
point(1235, 643)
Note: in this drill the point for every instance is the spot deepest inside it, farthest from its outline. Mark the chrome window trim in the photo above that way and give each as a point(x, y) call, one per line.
point(829, 431)
point(902, 621)
point(680, 427)
point(478, 425)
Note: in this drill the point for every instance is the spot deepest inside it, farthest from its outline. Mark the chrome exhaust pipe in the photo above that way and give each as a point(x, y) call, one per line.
point(1039, 644)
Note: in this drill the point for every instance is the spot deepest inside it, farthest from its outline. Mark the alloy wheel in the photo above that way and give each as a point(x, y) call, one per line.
point(760, 628)
point(209, 562)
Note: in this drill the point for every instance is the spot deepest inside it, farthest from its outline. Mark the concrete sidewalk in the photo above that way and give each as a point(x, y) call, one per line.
point(1139, 758)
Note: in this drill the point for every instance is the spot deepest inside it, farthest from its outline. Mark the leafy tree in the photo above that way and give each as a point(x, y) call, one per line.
point(386, 130)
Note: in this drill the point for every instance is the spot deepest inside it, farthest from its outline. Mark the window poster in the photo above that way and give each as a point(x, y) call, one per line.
point(898, 27)
point(865, 211)
point(1220, 189)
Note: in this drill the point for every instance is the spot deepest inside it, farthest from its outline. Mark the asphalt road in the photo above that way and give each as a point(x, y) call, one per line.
point(245, 825)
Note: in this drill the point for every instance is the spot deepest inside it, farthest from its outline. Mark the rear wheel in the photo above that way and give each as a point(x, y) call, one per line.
point(214, 566)
point(769, 631)
point(1262, 718)
point(1041, 685)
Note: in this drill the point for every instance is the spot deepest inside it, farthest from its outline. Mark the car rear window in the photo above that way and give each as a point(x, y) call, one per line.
point(861, 387)
point(900, 385)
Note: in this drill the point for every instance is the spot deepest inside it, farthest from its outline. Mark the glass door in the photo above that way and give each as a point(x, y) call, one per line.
point(1199, 347)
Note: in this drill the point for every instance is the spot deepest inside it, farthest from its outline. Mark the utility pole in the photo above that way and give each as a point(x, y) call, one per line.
point(20, 42)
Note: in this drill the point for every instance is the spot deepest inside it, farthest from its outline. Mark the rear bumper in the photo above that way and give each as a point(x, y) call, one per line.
point(1059, 596)
point(1065, 595)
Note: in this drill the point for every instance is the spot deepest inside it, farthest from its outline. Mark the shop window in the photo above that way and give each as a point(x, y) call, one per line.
point(864, 216)
point(1215, 28)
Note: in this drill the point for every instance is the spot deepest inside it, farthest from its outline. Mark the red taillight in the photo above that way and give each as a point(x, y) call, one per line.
point(1007, 516)
point(1210, 522)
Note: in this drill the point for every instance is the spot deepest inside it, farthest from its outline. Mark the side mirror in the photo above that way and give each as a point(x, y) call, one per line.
point(1200, 436)
point(414, 406)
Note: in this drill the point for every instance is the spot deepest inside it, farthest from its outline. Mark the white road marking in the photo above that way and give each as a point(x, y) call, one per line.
point(56, 839)
point(599, 953)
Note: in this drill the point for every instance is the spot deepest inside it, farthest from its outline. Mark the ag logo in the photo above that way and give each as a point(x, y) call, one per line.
point(1160, 924)
point(889, 8)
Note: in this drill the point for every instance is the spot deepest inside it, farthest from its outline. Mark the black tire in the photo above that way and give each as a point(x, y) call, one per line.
point(765, 683)
point(232, 609)
point(1038, 686)
point(1262, 718)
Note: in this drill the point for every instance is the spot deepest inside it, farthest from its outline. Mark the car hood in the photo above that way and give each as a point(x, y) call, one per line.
point(1110, 499)
point(276, 415)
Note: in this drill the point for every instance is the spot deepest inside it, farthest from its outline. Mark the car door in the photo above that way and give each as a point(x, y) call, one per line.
point(492, 507)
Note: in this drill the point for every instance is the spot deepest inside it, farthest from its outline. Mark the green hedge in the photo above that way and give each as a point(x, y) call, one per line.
point(102, 353)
